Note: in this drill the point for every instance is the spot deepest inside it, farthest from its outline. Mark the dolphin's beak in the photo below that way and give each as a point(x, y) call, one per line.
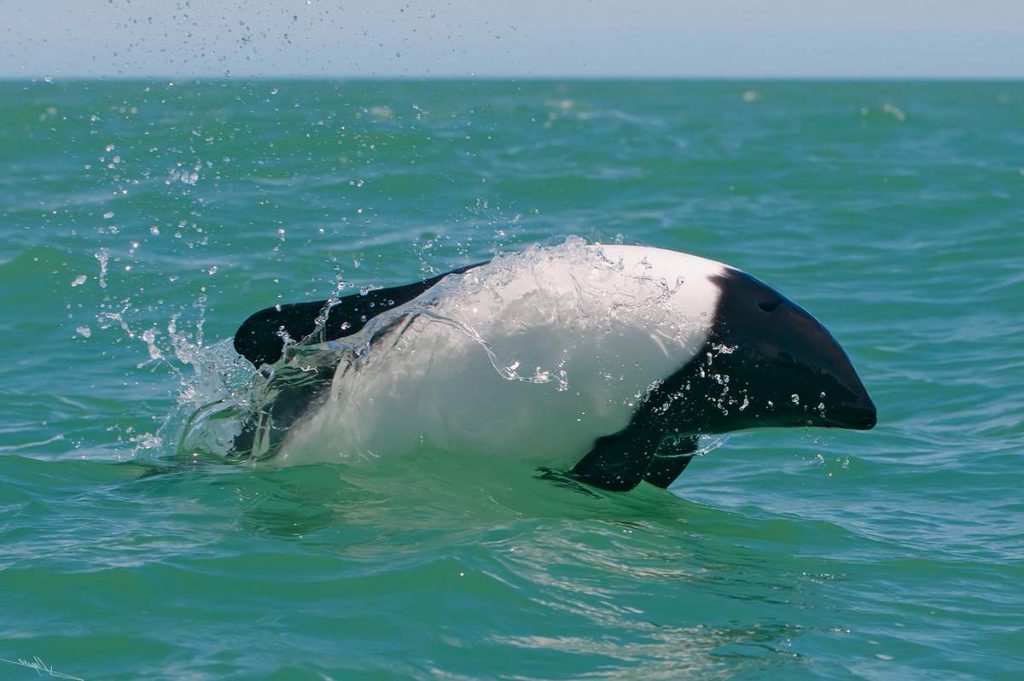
point(785, 355)
point(809, 351)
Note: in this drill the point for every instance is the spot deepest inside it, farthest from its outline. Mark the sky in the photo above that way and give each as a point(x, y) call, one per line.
point(519, 38)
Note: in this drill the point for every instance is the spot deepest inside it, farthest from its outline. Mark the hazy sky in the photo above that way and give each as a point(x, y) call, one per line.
point(523, 38)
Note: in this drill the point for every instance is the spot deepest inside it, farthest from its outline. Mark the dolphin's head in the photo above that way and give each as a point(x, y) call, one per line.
point(768, 362)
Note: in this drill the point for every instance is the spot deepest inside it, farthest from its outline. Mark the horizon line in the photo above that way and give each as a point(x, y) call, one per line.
point(53, 79)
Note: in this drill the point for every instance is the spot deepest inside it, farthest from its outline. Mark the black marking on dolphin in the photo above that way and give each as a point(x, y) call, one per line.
point(260, 338)
point(762, 351)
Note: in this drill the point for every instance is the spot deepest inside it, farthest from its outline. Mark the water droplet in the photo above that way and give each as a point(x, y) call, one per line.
point(103, 256)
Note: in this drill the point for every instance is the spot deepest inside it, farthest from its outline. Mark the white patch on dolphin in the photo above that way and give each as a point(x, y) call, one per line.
point(534, 355)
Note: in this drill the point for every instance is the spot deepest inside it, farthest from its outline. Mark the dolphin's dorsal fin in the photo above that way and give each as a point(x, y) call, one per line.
point(260, 338)
point(666, 466)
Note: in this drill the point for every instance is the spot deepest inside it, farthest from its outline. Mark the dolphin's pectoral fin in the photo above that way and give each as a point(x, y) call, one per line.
point(616, 463)
point(665, 468)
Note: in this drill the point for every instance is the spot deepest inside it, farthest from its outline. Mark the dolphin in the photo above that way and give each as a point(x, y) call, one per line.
point(605, 362)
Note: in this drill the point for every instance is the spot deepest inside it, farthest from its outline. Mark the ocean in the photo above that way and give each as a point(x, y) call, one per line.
point(143, 221)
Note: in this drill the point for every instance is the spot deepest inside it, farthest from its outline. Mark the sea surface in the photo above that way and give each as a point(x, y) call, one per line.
point(143, 221)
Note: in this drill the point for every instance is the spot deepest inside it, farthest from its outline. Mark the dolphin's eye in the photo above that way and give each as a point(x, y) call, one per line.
point(768, 305)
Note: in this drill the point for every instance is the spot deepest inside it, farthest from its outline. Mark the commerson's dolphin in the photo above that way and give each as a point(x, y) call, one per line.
point(605, 362)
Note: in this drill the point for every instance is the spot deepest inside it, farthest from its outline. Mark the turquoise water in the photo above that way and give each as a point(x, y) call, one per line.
point(143, 221)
